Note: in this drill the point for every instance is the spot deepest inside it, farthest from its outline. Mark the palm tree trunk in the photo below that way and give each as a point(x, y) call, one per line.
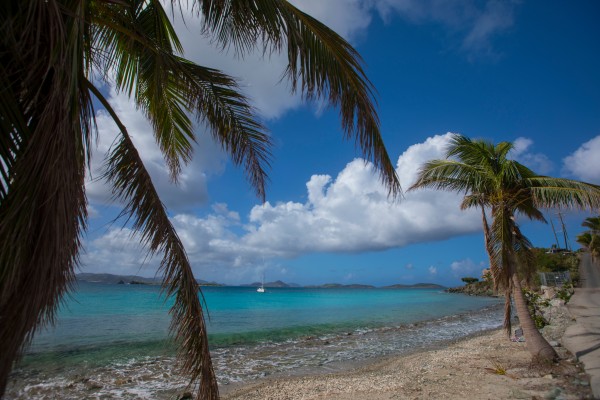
point(537, 345)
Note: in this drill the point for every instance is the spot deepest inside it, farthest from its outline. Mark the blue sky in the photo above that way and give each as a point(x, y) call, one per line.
point(520, 71)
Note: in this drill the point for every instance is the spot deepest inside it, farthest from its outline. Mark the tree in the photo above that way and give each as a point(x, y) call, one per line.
point(590, 239)
point(53, 55)
point(505, 188)
point(468, 280)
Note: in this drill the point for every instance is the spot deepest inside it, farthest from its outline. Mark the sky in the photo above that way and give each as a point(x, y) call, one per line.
point(518, 71)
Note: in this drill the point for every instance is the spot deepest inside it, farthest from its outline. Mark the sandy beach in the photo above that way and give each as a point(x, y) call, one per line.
point(488, 366)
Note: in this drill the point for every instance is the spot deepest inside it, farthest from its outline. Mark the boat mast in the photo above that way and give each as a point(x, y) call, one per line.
point(554, 231)
point(564, 229)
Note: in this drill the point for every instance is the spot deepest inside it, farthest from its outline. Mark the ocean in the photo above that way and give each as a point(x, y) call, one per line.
point(111, 341)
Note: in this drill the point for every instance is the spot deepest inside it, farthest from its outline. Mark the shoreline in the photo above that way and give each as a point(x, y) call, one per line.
point(346, 367)
point(484, 365)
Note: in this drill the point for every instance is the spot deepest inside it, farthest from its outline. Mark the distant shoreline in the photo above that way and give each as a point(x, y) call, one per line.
point(139, 280)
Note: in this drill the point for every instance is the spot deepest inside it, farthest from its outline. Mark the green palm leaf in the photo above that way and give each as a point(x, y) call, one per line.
point(132, 185)
point(320, 63)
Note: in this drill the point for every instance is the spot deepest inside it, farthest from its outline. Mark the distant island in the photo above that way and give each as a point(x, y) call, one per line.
point(130, 279)
point(140, 280)
point(340, 286)
point(416, 286)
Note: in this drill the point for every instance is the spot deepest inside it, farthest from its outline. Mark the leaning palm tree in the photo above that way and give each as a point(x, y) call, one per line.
point(505, 188)
point(54, 54)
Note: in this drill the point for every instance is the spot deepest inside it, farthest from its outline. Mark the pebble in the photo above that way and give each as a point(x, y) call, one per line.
point(91, 385)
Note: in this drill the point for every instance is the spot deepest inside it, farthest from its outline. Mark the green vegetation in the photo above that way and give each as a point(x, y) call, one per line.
point(535, 304)
point(557, 262)
point(590, 239)
point(565, 292)
point(468, 280)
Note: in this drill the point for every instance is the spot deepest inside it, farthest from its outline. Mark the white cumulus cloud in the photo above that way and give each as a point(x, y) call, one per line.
point(346, 214)
point(537, 162)
point(584, 163)
point(474, 23)
point(466, 267)
point(191, 189)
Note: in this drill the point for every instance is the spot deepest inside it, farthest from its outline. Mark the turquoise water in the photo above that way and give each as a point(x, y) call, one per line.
point(117, 335)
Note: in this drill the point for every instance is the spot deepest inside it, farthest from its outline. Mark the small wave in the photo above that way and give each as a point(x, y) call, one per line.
point(307, 350)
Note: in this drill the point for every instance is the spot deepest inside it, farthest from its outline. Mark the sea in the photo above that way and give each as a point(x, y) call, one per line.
point(112, 341)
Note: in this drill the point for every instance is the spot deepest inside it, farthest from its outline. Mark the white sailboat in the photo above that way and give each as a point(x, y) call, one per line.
point(261, 289)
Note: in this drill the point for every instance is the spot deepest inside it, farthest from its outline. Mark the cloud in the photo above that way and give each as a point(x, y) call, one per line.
point(348, 214)
point(190, 191)
point(466, 267)
point(118, 251)
point(537, 162)
point(474, 23)
point(584, 163)
point(496, 17)
point(432, 270)
point(352, 213)
point(349, 18)
point(260, 78)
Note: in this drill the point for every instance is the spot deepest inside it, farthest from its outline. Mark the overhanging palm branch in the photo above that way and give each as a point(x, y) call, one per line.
point(320, 62)
point(47, 123)
point(43, 203)
point(132, 184)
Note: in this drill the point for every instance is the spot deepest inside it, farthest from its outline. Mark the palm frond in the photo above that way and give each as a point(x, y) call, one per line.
point(593, 223)
point(320, 62)
point(563, 193)
point(179, 87)
point(132, 184)
point(43, 210)
point(502, 237)
point(218, 103)
point(584, 239)
point(137, 41)
point(495, 269)
point(450, 175)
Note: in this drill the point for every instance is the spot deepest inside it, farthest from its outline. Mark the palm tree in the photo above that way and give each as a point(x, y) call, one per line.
point(53, 56)
point(591, 238)
point(493, 182)
point(593, 223)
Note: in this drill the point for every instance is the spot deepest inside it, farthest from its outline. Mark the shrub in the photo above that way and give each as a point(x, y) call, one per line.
point(534, 304)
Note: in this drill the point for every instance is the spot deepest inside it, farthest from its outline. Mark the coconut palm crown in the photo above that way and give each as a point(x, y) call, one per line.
point(54, 57)
point(505, 188)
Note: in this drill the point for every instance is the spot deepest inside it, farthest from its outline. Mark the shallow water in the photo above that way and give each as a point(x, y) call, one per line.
point(111, 341)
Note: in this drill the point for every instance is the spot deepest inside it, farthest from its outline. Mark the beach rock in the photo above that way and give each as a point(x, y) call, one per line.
point(557, 302)
point(92, 385)
point(555, 394)
point(482, 288)
point(548, 293)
